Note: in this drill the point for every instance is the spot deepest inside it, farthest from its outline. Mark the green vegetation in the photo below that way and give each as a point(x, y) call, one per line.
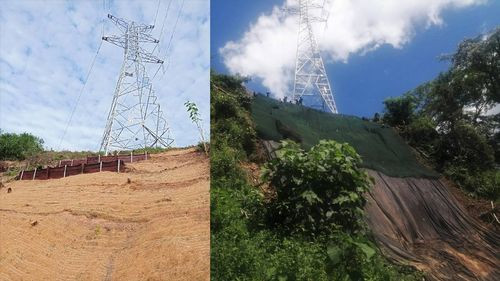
point(380, 147)
point(19, 146)
point(194, 115)
point(250, 238)
point(320, 191)
point(149, 150)
point(29, 148)
point(447, 119)
point(399, 111)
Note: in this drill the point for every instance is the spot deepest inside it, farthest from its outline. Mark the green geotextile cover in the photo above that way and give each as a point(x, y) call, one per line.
point(381, 148)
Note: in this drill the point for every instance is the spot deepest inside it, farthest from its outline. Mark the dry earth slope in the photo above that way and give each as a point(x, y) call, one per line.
point(149, 223)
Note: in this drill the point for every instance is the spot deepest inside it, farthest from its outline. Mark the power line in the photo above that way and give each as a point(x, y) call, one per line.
point(169, 42)
point(167, 51)
point(157, 8)
point(162, 26)
point(173, 31)
point(102, 20)
point(86, 79)
point(80, 95)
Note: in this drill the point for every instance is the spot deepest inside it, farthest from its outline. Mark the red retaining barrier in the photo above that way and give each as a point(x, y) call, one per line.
point(71, 170)
point(90, 164)
point(129, 158)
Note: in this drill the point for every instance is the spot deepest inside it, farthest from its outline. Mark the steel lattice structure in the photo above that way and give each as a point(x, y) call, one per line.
point(311, 81)
point(135, 119)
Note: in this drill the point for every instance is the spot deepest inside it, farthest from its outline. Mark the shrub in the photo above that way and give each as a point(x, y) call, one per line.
point(149, 150)
point(485, 184)
point(229, 114)
point(354, 257)
point(203, 147)
point(319, 191)
point(19, 147)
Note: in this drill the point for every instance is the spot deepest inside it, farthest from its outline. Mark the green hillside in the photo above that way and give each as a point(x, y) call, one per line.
point(381, 148)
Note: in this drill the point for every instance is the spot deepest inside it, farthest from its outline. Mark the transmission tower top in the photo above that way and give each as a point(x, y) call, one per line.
point(311, 86)
point(135, 119)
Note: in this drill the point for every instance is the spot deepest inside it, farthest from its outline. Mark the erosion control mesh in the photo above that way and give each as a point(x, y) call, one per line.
point(381, 148)
point(419, 222)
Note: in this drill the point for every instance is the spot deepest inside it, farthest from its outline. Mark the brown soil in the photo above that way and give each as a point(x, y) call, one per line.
point(419, 222)
point(150, 223)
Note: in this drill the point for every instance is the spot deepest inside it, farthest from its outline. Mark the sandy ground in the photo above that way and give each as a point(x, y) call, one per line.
point(150, 223)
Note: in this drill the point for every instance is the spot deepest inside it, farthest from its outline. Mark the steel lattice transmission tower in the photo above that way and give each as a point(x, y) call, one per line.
point(135, 119)
point(311, 81)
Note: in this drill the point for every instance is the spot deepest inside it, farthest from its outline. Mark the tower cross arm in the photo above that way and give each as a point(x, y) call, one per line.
point(150, 58)
point(116, 40)
point(118, 21)
point(146, 28)
point(304, 7)
point(147, 38)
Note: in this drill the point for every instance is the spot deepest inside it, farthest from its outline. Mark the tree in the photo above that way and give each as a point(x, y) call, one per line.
point(195, 117)
point(464, 147)
point(471, 86)
point(422, 133)
point(399, 111)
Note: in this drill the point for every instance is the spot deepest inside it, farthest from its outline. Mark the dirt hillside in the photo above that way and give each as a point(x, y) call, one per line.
point(419, 222)
point(149, 223)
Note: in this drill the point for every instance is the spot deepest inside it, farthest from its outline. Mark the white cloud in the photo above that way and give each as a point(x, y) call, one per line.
point(46, 48)
point(267, 49)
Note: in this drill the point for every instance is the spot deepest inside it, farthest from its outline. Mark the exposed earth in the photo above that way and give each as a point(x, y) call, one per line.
point(150, 223)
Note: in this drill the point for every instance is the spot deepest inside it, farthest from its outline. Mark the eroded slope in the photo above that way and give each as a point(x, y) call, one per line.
point(150, 223)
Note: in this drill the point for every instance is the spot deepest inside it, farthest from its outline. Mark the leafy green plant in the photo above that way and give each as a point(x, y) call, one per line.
point(195, 117)
point(319, 191)
point(354, 257)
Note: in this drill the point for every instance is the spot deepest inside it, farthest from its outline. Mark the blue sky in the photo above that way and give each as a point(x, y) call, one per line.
point(46, 48)
point(371, 51)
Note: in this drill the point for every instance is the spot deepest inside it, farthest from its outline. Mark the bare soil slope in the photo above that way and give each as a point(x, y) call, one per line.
point(419, 222)
point(150, 223)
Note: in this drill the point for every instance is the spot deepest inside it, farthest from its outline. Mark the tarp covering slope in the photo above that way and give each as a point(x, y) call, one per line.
point(419, 222)
point(381, 148)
